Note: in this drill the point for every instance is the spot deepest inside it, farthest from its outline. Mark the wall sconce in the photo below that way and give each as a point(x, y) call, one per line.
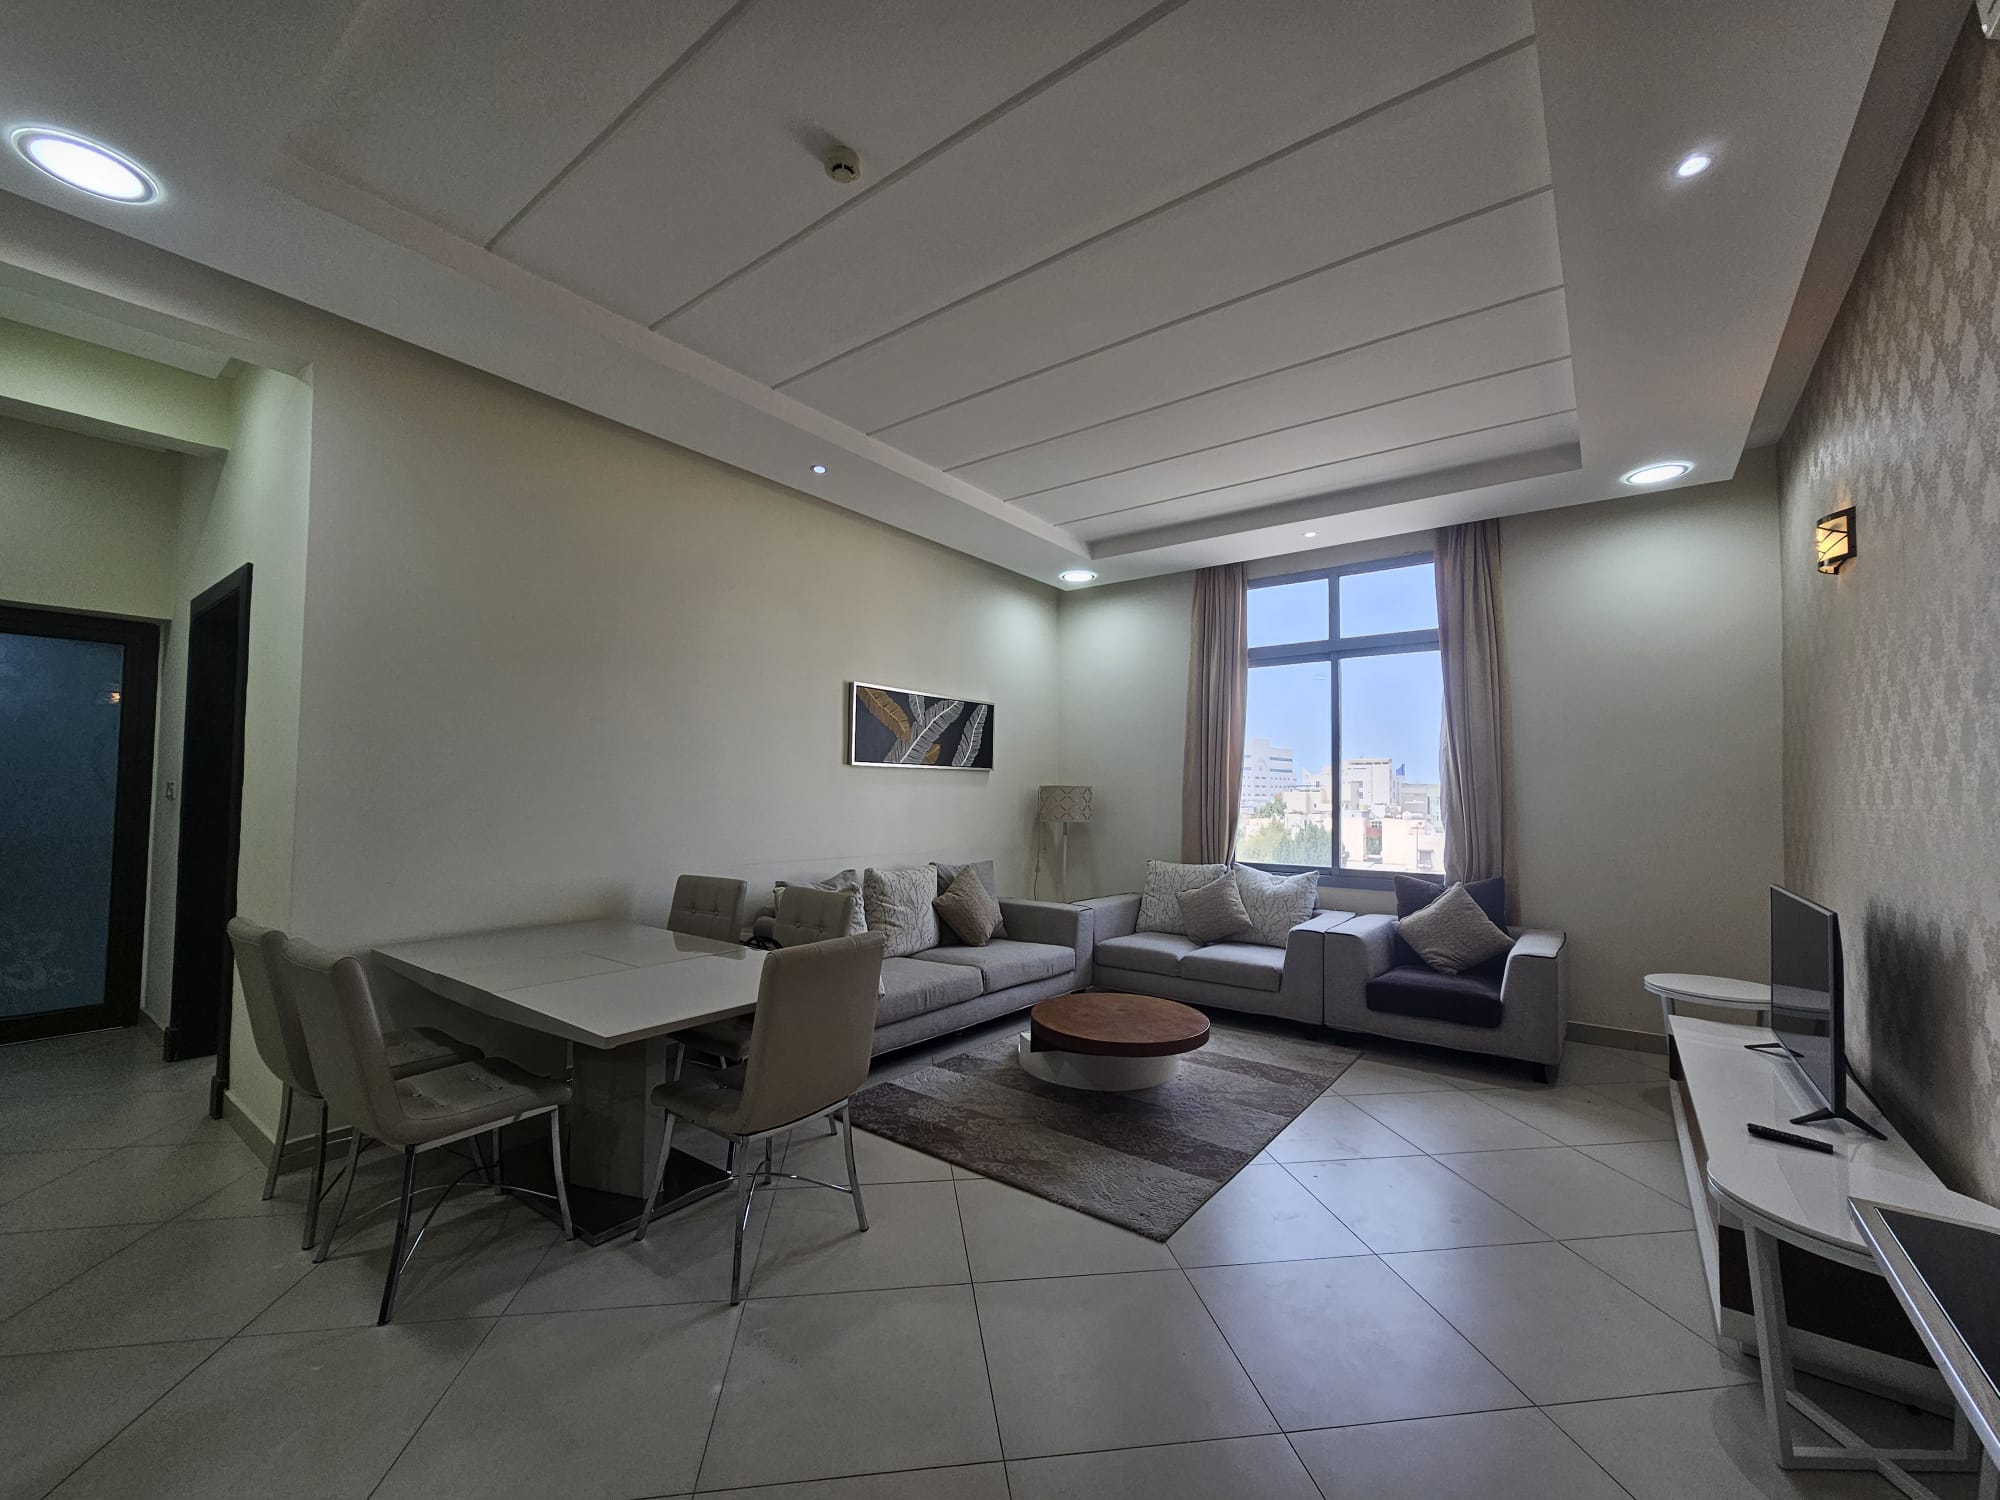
point(1833, 539)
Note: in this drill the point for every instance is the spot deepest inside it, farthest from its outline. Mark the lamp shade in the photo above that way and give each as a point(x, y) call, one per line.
point(1063, 804)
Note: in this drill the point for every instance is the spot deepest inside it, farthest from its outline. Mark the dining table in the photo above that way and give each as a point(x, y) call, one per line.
point(615, 993)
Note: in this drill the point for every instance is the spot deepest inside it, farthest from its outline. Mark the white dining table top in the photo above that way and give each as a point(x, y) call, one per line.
point(601, 984)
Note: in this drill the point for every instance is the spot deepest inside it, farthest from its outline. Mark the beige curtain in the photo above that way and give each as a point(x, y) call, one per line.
point(1218, 683)
point(1473, 766)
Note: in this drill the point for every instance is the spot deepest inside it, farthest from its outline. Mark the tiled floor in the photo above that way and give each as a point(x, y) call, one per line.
point(1441, 1281)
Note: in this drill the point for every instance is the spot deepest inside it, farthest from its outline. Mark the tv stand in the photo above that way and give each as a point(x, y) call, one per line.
point(1814, 1117)
point(1790, 1277)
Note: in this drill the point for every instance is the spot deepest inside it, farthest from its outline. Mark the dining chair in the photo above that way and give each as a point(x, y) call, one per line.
point(809, 1050)
point(343, 1033)
point(709, 906)
point(281, 1043)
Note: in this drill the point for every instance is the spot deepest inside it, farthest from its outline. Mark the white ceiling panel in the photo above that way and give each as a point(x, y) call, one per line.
point(1492, 258)
point(1455, 455)
point(462, 112)
point(1513, 337)
point(1481, 403)
point(1452, 150)
point(1209, 89)
point(723, 164)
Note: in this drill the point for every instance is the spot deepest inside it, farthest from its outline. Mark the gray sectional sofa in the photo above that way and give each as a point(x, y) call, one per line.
point(1288, 981)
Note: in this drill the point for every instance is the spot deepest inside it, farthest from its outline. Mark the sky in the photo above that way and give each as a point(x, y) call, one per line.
point(1390, 705)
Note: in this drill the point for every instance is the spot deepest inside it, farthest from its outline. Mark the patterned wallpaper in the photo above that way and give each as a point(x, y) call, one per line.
point(1892, 668)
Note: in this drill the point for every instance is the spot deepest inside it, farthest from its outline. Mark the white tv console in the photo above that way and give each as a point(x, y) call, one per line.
point(1790, 1276)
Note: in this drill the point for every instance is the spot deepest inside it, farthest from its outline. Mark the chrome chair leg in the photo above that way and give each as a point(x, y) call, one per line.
point(395, 1276)
point(346, 1187)
point(659, 1180)
point(278, 1143)
point(562, 1187)
point(746, 1185)
point(318, 1187)
point(853, 1179)
point(831, 1127)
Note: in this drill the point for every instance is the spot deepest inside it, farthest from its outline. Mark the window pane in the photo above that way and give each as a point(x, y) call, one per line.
point(1391, 721)
point(1286, 813)
point(1282, 613)
point(1386, 599)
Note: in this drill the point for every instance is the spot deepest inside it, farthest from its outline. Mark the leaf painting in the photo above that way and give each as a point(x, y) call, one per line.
point(971, 737)
point(929, 718)
point(886, 709)
point(897, 727)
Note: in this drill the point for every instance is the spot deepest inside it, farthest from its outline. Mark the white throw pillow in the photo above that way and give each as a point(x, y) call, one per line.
point(1452, 934)
point(1160, 902)
point(898, 905)
point(1276, 904)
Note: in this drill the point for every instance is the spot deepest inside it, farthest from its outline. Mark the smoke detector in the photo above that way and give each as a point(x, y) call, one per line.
point(842, 165)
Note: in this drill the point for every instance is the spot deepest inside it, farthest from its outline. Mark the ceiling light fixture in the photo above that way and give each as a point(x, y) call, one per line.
point(1311, 534)
point(1694, 164)
point(819, 468)
point(1658, 473)
point(1077, 575)
point(85, 165)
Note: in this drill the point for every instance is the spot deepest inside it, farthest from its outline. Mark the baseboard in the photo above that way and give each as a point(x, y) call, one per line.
point(1618, 1036)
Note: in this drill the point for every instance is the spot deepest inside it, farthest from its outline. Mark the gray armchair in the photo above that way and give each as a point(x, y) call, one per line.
point(1517, 1007)
point(1287, 981)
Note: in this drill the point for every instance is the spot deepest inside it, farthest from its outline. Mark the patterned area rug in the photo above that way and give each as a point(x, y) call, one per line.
point(1145, 1160)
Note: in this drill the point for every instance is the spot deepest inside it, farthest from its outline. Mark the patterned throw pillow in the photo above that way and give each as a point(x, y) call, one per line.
point(1160, 902)
point(848, 881)
point(1276, 903)
point(1452, 934)
point(898, 903)
point(968, 909)
point(983, 868)
point(1214, 912)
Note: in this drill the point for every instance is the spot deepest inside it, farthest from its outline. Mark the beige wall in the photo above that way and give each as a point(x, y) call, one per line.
point(1642, 647)
point(87, 524)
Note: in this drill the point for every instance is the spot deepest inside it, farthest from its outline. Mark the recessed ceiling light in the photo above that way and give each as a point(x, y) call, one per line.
point(819, 468)
point(1312, 533)
point(1077, 575)
point(1694, 164)
point(85, 165)
point(1658, 473)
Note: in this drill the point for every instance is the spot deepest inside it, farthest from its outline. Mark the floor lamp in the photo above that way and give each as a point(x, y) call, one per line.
point(1064, 805)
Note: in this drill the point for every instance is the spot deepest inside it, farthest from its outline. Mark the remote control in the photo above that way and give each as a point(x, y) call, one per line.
point(1785, 1137)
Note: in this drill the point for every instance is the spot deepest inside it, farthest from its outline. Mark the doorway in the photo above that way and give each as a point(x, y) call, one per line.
point(211, 799)
point(77, 698)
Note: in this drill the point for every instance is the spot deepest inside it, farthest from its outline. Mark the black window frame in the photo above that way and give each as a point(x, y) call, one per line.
point(1335, 648)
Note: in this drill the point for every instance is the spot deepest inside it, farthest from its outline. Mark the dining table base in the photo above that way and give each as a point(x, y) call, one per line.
point(602, 1214)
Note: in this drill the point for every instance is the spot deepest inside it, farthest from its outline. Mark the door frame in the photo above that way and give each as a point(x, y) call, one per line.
point(132, 815)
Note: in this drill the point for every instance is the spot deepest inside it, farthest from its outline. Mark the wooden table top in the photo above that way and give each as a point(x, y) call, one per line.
point(1114, 1025)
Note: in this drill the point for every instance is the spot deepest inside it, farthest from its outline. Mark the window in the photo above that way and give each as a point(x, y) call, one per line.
point(1344, 723)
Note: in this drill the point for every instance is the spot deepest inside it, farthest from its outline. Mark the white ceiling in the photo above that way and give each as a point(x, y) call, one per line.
point(1137, 286)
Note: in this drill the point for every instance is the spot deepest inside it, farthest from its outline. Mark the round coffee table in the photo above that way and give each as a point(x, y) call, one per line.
point(1111, 1043)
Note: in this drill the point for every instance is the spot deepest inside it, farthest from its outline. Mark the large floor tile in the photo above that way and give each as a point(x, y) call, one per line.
point(84, 1121)
point(136, 1185)
point(1561, 1329)
point(321, 1414)
point(179, 1281)
point(1411, 1203)
point(1092, 1362)
point(380, 1178)
point(58, 1409)
point(812, 1243)
point(477, 1254)
point(1334, 1128)
point(1578, 1116)
point(813, 1153)
point(1010, 1234)
point(1457, 1121)
point(852, 1383)
point(684, 1258)
point(1655, 1163)
point(1262, 1213)
point(965, 1482)
point(1393, 1073)
point(1653, 1097)
point(1338, 1341)
point(1495, 1455)
point(24, 1171)
point(1568, 1195)
point(1585, 1062)
point(1665, 1269)
point(589, 1405)
point(1264, 1467)
point(36, 1263)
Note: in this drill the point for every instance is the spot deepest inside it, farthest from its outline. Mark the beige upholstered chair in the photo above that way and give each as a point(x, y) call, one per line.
point(709, 906)
point(809, 1051)
point(281, 1043)
point(344, 1037)
point(806, 914)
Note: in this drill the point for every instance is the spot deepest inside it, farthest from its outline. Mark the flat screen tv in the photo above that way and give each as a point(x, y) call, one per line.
point(1807, 1009)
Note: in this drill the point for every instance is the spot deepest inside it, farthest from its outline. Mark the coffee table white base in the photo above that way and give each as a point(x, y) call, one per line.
point(1105, 1075)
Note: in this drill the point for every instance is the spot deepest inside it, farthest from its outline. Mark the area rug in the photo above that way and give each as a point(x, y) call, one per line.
point(1145, 1160)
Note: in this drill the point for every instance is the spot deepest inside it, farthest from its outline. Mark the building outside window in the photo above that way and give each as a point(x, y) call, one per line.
point(1344, 723)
